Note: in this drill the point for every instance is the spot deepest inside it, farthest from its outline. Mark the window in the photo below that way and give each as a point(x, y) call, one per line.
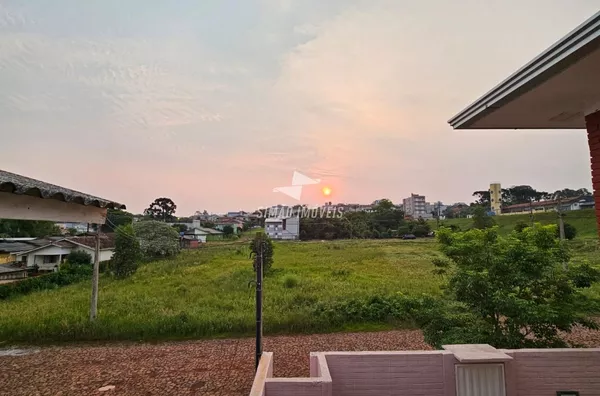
point(284, 224)
point(480, 380)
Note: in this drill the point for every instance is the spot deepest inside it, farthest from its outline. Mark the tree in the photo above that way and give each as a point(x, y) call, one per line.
point(79, 257)
point(483, 198)
point(481, 219)
point(522, 194)
point(261, 248)
point(520, 226)
point(228, 230)
point(28, 228)
point(161, 209)
point(511, 292)
point(157, 239)
point(127, 252)
point(72, 231)
point(180, 228)
point(570, 231)
point(116, 218)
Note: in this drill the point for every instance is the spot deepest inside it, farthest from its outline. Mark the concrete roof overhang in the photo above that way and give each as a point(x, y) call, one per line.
point(556, 90)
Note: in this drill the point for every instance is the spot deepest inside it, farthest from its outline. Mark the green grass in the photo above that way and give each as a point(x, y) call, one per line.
point(206, 293)
point(583, 220)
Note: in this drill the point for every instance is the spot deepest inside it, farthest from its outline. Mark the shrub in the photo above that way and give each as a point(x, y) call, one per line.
point(520, 226)
point(157, 239)
point(290, 281)
point(570, 231)
point(66, 276)
point(127, 252)
point(79, 257)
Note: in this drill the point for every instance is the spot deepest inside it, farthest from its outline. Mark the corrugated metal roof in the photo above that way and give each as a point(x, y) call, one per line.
point(14, 247)
point(17, 184)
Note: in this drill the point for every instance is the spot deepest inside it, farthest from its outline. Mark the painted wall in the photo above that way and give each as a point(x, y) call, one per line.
point(392, 373)
point(7, 258)
point(540, 372)
point(531, 372)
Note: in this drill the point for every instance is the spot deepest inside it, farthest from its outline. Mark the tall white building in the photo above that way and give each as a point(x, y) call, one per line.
point(283, 228)
point(416, 206)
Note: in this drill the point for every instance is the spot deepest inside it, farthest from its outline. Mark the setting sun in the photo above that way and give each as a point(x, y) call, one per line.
point(326, 191)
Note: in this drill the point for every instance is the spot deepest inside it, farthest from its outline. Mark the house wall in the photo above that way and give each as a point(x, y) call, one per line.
point(37, 257)
point(7, 258)
point(105, 254)
point(540, 372)
point(592, 123)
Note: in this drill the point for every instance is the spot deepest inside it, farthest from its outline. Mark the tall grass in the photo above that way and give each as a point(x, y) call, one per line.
point(207, 293)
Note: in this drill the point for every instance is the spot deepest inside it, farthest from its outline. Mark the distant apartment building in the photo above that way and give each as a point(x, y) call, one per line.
point(496, 198)
point(416, 206)
point(283, 228)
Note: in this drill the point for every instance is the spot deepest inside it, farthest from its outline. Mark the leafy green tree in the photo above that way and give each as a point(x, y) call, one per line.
point(228, 230)
point(157, 239)
point(570, 231)
point(522, 194)
point(180, 227)
point(127, 252)
point(28, 228)
point(261, 248)
point(79, 257)
point(510, 292)
point(483, 198)
point(115, 218)
point(72, 231)
point(161, 209)
point(481, 219)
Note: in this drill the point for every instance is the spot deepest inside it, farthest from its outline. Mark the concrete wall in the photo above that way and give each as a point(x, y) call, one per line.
point(528, 372)
point(540, 372)
point(391, 373)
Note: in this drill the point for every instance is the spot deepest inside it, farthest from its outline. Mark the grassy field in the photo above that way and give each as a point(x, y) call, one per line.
point(206, 293)
point(583, 220)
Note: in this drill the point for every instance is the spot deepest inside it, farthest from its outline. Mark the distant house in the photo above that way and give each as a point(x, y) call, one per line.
point(47, 254)
point(568, 204)
point(202, 234)
point(283, 228)
point(237, 225)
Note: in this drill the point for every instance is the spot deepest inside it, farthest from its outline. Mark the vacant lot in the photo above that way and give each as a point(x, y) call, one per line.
point(206, 293)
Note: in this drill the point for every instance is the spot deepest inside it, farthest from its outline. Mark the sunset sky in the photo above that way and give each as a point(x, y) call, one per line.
point(215, 103)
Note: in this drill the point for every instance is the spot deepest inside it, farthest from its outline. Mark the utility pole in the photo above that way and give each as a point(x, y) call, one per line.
point(561, 224)
point(96, 274)
point(531, 211)
point(259, 301)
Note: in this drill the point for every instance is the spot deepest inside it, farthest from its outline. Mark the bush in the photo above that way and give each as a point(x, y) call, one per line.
point(157, 239)
point(570, 231)
point(290, 281)
point(66, 276)
point(127, 252)
point(520, 226)
point(79, 257)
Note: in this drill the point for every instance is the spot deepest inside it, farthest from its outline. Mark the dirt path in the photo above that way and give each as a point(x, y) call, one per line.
point(214, 367)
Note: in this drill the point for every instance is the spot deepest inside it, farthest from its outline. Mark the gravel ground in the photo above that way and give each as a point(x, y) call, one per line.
point(213, 367)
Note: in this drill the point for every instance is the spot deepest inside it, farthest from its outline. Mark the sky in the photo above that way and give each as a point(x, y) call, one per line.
point(215, 103)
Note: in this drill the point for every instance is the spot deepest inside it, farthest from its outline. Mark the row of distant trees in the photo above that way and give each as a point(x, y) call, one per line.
point(384, 221)
point(525, 194)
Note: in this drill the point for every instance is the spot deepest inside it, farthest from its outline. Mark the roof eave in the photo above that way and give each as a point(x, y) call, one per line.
point(568, 50)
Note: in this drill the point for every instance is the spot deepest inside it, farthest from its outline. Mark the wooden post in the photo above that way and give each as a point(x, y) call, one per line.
point(96, 274)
